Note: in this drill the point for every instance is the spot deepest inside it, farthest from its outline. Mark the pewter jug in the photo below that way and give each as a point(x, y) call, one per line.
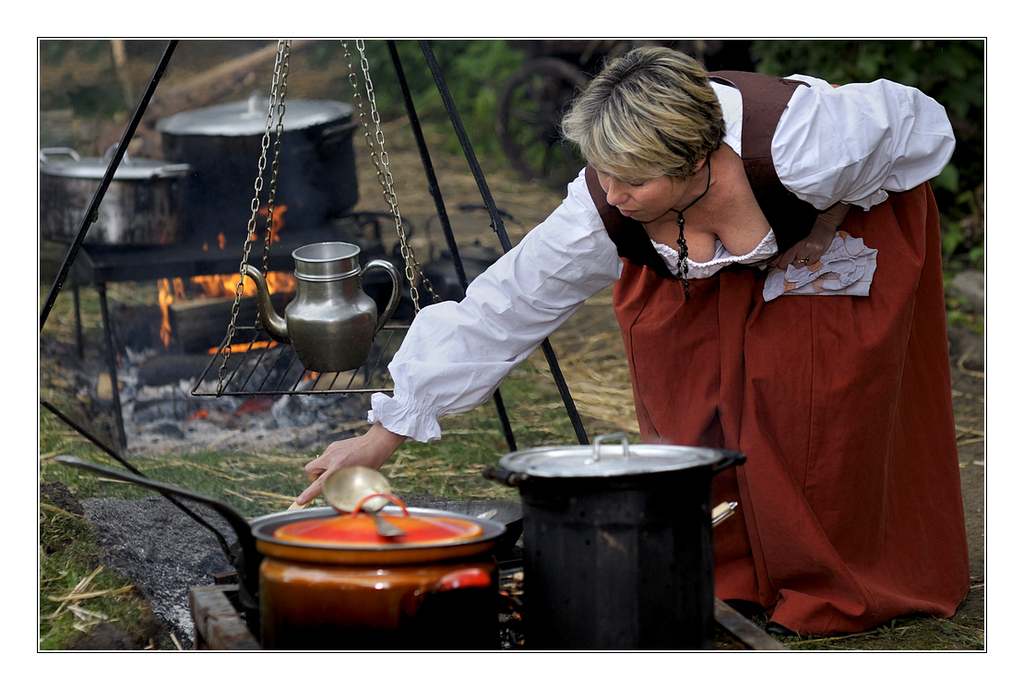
point(331, 322)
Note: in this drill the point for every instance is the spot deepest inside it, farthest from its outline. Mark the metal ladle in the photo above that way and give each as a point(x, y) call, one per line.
point(345, 488)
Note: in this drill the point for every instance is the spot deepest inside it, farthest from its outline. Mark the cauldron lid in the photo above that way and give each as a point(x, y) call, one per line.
point(249, 117)
point(599, 460)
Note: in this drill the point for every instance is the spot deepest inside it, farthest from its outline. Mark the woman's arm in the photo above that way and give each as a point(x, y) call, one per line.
point(455, 354)
point(855, 143)
point(372, 450)
point(808, 250)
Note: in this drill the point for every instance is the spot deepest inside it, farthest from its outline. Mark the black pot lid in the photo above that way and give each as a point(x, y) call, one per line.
point(65, 162)
point(249, 117)
point(602, 459)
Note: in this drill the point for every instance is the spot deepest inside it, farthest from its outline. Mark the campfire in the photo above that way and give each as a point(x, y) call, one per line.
point(207, 297)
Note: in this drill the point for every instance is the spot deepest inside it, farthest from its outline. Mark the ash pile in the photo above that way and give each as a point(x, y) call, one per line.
point(161, 415)
point(155, 545)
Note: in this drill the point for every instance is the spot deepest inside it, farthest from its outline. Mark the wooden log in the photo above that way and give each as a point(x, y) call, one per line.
point(743, 630)
point(218, 624)
point(200, 324)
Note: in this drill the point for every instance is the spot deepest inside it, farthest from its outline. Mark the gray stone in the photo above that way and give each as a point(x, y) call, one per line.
point(970, 285)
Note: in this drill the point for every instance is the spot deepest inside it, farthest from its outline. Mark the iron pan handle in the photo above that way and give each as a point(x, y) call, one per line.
point(504, 476)
point(250, 558)
point(733, 458)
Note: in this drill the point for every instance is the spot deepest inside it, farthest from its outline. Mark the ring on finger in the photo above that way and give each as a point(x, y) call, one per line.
point(804, 260)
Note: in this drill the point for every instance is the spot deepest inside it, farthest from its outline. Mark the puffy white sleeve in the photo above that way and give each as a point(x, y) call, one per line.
point(456, 353)
point(857, 142)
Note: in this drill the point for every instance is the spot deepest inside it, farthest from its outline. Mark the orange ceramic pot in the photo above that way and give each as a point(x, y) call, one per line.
point(329, 581)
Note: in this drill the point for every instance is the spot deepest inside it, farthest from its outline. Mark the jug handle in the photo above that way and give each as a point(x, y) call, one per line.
point(396, 289)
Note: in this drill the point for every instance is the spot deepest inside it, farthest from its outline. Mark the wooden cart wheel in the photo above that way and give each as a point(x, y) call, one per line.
point(530, 107)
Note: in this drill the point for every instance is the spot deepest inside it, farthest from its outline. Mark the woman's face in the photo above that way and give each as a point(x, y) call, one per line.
point(650, 200)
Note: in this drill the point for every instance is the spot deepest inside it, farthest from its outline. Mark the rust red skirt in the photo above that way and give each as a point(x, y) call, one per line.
point(850, 505)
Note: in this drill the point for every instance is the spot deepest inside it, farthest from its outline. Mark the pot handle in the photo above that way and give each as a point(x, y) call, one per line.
point(390, 497)
point(503, 476)
point(396, 289)
point(57, 151)
point(172, 170)
point(732, 458)
point(463, 579)
point(329, 134)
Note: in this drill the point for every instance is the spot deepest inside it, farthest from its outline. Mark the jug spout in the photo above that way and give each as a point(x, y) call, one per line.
point(274, 324)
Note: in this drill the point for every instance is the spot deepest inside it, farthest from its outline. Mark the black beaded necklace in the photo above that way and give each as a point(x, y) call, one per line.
point(682, 268)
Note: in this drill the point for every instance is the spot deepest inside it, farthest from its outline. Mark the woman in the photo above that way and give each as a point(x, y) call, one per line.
point(775, 253)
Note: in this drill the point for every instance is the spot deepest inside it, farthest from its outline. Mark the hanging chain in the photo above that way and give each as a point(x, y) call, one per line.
point(277, 91)
point(282, 86)
point(413, 270)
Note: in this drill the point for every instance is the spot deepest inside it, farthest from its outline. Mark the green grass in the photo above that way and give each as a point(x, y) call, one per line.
point(905, 633)
point(69, 568)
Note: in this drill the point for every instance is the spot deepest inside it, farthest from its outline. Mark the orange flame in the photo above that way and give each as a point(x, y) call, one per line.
point(225, 285)
point(275, 226)
point(166, 297)
point(214, 286)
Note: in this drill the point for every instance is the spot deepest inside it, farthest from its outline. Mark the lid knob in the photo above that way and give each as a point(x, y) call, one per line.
point(596, 455)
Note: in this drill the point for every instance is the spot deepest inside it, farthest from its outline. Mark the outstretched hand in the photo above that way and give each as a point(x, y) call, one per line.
point(808, 251)
point(372, 450)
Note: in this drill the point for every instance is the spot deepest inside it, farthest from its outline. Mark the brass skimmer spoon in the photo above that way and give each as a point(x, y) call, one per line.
point(345, 488)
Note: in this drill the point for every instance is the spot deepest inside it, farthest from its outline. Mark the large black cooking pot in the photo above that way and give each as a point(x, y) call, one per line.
point(617, 544)
point(316, 178)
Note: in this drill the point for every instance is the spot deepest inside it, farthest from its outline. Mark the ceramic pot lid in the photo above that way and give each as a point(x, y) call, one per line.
point(358, 530)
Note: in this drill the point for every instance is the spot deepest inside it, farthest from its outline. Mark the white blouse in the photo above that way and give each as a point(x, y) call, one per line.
point(853, 144)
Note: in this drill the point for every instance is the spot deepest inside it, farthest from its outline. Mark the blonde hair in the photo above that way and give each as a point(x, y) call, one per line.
point(650, 112)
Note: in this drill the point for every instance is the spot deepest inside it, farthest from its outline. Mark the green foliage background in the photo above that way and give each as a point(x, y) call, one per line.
point(950, 71)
